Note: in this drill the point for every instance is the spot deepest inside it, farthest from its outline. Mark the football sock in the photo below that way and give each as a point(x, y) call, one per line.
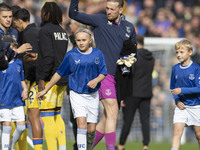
point(174, 149)
point(16, 135)
point(60, 127)
point(81, 139)
point(22, 142)
point(37, 142)
point(13, 125)
point(110, 139)
point(90, 140)
point(97, 139)
point(5, 140)
point(50, 131)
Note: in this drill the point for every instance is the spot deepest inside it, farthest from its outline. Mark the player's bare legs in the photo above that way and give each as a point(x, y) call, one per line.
point(197, 133)
point(37, 133)
point(177, 133)
point(107, 125)
point(110, 116)
point(91, 128)
point(34, 118)
point(101, 123)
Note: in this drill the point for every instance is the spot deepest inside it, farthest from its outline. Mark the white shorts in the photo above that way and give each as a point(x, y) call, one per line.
point(189, 116)
point(15, 114)
point(85, 105)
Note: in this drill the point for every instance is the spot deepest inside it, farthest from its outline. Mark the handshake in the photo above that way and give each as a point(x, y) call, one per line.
point(127, 60)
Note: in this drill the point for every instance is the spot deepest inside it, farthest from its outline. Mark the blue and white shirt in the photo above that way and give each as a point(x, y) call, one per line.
point(188, 79)
point(10, 85)
point(82, 68)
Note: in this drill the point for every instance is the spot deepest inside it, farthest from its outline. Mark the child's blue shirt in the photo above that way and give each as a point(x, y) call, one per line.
point(82, 68)
point(10, 85)
point(188, 79)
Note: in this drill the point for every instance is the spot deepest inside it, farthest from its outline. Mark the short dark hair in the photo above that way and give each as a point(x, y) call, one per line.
point(22, 14)
point(15, 8)
point(4, 7)
point(51, 12)
point(121, 2)
point(140, 39)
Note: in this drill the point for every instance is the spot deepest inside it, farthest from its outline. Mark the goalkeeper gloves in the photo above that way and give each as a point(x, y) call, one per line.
point(127, 60)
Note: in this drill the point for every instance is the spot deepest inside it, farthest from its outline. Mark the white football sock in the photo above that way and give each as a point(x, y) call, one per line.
point(81, 139)
point(5, 140)
point(16, 135)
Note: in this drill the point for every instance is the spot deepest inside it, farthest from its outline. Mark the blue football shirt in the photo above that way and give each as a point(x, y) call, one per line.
point(188, 79)
point(82, 68)
point(10, 85)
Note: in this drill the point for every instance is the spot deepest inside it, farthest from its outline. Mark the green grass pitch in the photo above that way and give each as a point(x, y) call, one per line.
point(135, 146)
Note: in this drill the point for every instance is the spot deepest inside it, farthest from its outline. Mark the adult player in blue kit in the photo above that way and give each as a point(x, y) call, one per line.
point(110, 32)
point(185, 87)
point(86, 68)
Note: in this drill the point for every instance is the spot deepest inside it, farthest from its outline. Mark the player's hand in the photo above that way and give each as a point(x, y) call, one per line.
point(24, 95)
point(23, 48)
point(122, 104)
point(93, 83)
point(29, 57)
point(180, 105)
point(40, 94)
point(176, 91)
point(41, 85)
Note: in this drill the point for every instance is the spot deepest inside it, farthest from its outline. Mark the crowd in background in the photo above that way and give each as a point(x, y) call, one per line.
point(152, 18)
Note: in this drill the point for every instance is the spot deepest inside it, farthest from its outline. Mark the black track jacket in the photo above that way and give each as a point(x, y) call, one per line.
point(53, 42)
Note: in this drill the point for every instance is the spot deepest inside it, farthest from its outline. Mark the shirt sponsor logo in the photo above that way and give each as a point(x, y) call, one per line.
point(191, 77)
point(97, 60)
point(108, 92)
